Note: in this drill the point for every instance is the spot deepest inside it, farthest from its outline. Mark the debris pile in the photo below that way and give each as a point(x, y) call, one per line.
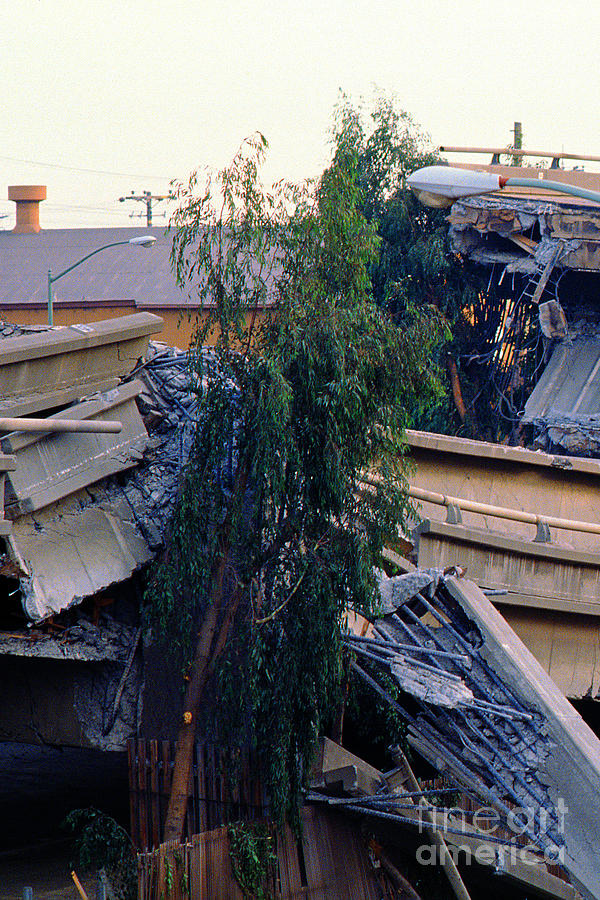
point(84, 512)
point(168, 404)
point(87, 510)
point(482, 711)
point(80, 641)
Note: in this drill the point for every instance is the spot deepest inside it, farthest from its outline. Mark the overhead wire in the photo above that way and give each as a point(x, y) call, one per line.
point(33, 162)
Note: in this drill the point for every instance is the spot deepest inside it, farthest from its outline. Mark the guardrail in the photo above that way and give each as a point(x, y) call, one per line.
point(502, 512)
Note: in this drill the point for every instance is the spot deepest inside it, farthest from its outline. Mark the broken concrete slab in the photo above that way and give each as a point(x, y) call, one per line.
point(79, 528)
point(572, 762)
point(68, 702)
point(563, 406)
point(519, 746)
point(335, 769)
point(50, 369)
point(50, 466)
point(399, 589)
point(73, 549)
point(83, 641)
point(514, 217)
point(441, 688)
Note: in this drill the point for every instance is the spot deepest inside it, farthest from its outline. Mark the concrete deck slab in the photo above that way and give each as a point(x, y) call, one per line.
point(50, 369)
point(52, 466)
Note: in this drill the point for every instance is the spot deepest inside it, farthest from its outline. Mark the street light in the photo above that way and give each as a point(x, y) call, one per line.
point(145, 240)
point(440, 186)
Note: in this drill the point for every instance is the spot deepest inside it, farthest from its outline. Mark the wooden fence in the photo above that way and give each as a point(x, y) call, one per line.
point(329, 863)
point(213, 800)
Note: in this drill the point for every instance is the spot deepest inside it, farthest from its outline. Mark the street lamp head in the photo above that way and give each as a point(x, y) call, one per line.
point(145, 240)
point(440, 186)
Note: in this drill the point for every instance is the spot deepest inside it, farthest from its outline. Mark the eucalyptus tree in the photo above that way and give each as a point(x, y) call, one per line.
point(416, 267)
point(272, 537)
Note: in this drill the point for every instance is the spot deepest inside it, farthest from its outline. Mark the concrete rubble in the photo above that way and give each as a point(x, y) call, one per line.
point(87, 510)
point(542, 250)
point(482, 711)
point(471, 219)
point(83, 513)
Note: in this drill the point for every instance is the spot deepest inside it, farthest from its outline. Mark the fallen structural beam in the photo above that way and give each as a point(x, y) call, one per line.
point(508, 736)
point(548, 593)
point(545, 486)
point(572, 764)
point(7, 464)
point(533, 573)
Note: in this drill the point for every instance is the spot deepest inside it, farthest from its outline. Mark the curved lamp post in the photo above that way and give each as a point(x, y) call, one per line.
point(146, 240)
point(440, 186)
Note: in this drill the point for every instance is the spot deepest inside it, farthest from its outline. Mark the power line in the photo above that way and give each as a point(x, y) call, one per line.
point(74, 206)
point(102, 209)
point(34, 162)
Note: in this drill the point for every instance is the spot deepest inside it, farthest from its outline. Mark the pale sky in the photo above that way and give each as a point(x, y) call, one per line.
point(144, 92)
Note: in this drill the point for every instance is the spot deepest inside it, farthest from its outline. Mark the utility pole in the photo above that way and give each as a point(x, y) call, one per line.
point(518, 133)
point(147, 197)
point(518, 143)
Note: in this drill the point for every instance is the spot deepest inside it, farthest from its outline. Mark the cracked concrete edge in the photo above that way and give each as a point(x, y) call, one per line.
point(573, 761)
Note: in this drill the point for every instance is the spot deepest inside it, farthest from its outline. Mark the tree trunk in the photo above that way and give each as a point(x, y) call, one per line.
point(187, 732)
point(205, 657)
point(456, 389)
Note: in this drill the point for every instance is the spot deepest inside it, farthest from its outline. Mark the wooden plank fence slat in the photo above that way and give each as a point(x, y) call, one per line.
point(133, 804)
point(337, 866)
point(165, 781)
point(189, 825)
point(154, 794)
point(289, 863)
point(202, 824)
point(142, 796)
point(219, 792)
point(213, 799)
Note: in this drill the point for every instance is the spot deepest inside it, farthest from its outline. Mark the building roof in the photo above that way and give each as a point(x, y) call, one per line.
point(120, 275)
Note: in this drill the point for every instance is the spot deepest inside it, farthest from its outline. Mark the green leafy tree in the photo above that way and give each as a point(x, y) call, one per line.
point(101, 843)
point(415, 267)
point(272, 538)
